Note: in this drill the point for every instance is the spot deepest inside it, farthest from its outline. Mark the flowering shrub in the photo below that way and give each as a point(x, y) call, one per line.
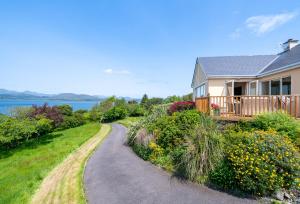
point(49, 112)
point(215, 106)
point(263, 162)
point(181, 106)
point(159, 157)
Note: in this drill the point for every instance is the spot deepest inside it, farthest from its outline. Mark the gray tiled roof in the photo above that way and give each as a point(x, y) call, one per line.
point(285, 59)
point(235, 65)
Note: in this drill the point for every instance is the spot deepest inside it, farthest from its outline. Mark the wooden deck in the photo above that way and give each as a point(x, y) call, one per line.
point(248, 106)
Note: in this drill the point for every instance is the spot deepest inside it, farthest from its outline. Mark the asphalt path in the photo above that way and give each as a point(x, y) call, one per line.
point(114, 174)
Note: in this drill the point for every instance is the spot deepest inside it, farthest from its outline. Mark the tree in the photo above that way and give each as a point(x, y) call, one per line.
point(153, 101)
point(65, 109)
point(171, 99)
point(106, 104)
point(144, 100)
point(188, 97)
point(132, 102)
point(120, 102)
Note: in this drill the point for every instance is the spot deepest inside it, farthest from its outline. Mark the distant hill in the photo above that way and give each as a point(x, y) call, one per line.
point(29, 95)
point(75, 97)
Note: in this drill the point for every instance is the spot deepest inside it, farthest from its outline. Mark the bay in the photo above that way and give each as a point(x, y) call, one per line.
point(7, 104)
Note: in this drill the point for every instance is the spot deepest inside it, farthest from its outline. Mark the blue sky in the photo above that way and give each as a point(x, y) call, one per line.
point(131, 47)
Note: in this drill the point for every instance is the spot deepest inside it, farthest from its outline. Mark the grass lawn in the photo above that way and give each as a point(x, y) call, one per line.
point(129, 121)
point(64, 184)
point(22, 169)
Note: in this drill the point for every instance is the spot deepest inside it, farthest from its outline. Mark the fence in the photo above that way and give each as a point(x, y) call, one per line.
point(247, 106)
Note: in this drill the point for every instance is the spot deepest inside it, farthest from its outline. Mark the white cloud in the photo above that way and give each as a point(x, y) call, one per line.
point(120, 72)
point(266, 23)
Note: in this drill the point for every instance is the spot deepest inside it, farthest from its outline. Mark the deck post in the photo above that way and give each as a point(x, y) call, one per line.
point(208, 103)
point(232, 88)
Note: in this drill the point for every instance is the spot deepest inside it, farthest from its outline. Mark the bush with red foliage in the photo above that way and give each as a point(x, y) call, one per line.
point(181, 106)
point(49, 112)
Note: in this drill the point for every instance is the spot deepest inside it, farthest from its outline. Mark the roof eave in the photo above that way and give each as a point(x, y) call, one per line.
point(230, 76)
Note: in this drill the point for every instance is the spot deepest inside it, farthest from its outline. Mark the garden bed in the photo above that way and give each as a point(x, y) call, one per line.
point(258, 157)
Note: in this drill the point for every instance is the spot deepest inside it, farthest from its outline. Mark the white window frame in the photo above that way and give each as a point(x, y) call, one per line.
point(280, 83)
point(201, 90)
point(256, 88)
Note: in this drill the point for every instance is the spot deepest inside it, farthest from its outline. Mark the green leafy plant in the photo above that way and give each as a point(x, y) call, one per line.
point(223, 176)
point(281, 122)
point(142, 151)
point(135, 110)
point(44, 126)
point(263, 162)
point(115, 113)
point(13, 131)
point(65, 109)
point(204, 151)
point(157, 112)
point(159, 157)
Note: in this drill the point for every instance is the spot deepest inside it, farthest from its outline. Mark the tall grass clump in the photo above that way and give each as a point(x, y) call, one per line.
point(204, 151)
point(156, 112)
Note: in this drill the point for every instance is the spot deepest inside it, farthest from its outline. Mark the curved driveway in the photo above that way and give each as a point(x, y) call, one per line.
point(115, 175)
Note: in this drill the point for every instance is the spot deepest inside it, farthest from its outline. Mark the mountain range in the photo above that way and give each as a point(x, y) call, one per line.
point(29, 95)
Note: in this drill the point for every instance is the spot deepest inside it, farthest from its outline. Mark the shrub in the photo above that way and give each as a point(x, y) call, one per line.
point(263, 162)
point(65, 109)
point(81, 111)
point(95, 115)
point(159, 157)
point(203, 153)
point(223, 176)
point(51, 113)
point(12, 131)
point(150, 103)
point(156, 112)
point(116, 113)
point(72, 121)
point(44, 126)
point(135, 110)
point(187, 120)
point(142, 151)
point(181, 106)
point(166, 131)
point(171, 130)
point(3, 117)
point(21, 112)
point(281, 122)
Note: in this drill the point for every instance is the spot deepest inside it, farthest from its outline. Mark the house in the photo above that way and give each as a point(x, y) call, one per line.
point(273, 79)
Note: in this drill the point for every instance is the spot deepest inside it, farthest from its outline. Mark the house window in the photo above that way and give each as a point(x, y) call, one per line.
point(275, 87)
point(265, 88)
point(286, 86)
point(253, 88)
point(280, 86)
point(201, 91)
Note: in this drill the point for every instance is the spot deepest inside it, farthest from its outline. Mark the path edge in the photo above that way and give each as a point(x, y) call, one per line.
point(83, 166)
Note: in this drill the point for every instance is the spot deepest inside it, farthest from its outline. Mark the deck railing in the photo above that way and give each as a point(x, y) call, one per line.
point(247, 106)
